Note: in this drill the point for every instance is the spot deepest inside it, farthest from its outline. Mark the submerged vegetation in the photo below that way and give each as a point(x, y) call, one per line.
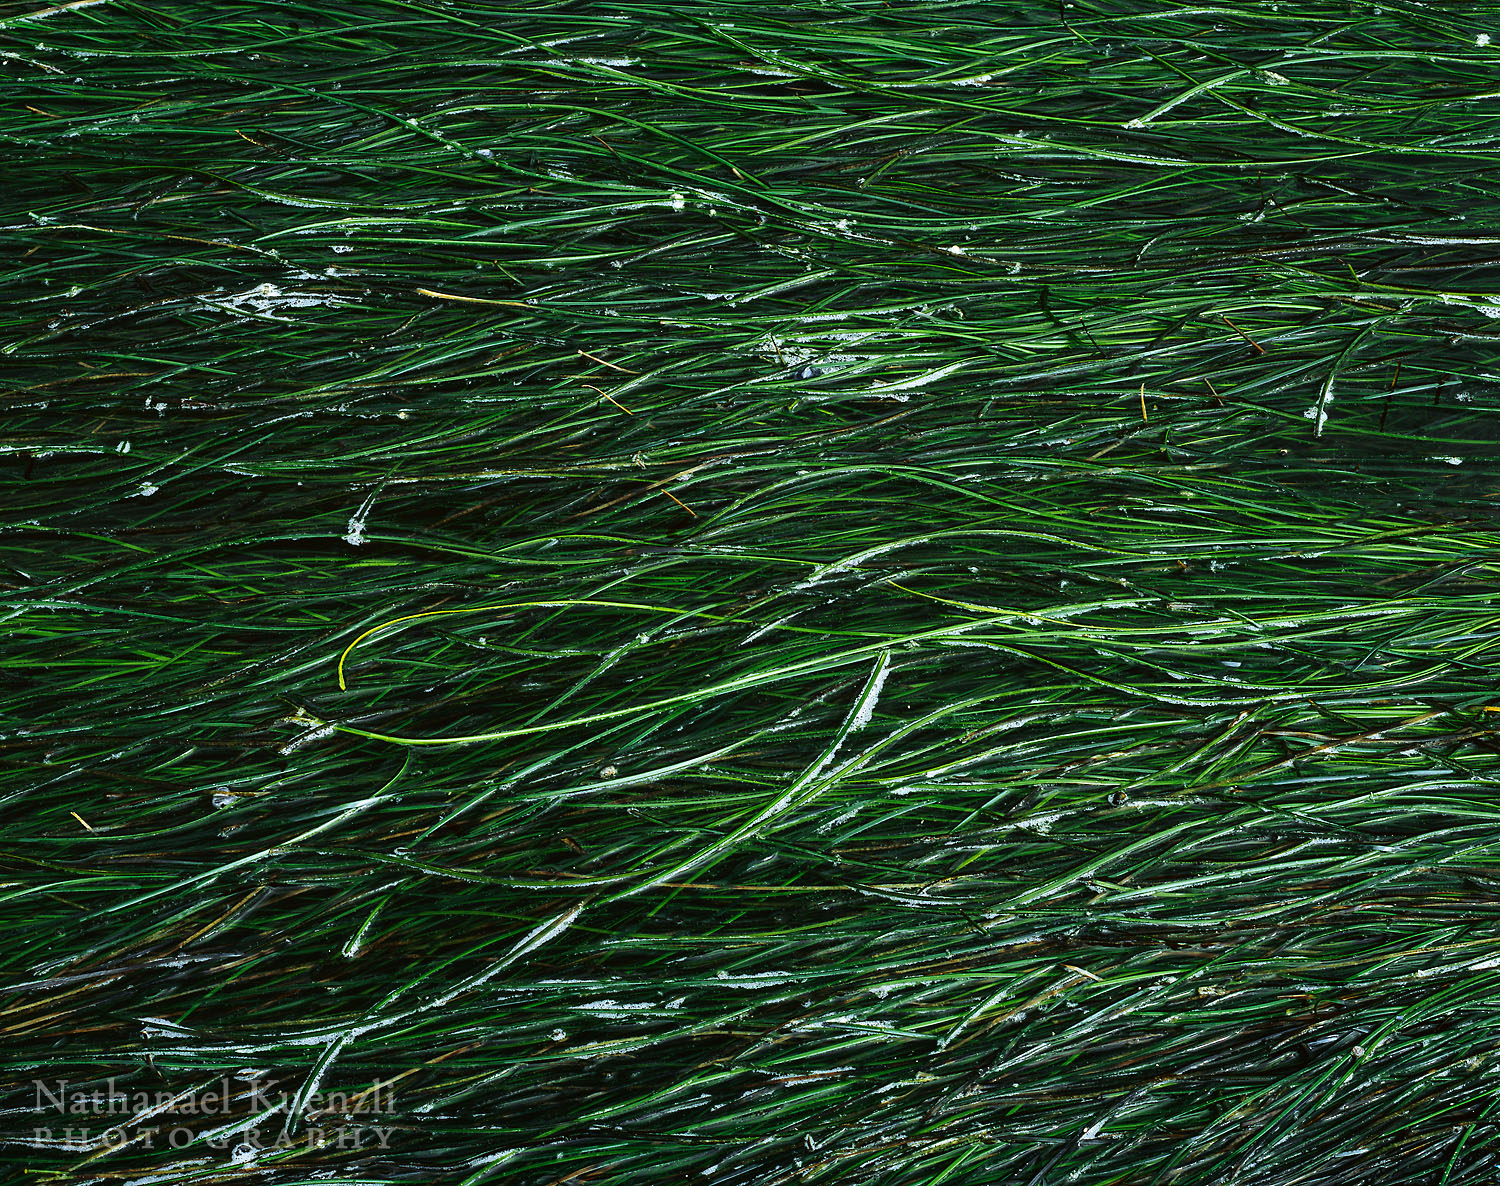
point(894, 593)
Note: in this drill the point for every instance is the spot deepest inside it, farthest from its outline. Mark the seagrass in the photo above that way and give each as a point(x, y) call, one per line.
point(893, 593)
